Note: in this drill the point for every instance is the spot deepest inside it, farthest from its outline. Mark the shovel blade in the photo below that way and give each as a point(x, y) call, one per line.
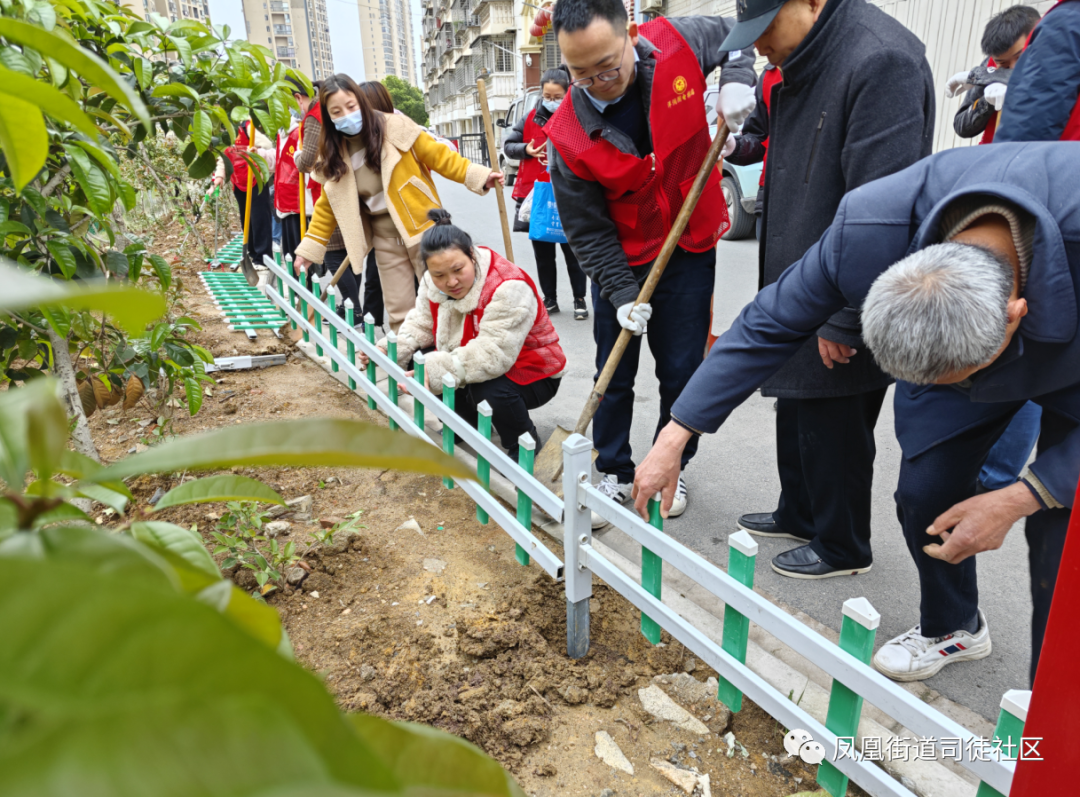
point(548, 465)
point(250, 274)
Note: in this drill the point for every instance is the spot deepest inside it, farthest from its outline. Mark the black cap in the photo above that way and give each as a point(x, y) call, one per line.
point(751, 19)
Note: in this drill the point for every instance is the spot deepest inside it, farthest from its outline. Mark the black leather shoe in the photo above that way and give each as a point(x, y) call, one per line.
point(761, 524)
point(803, 562)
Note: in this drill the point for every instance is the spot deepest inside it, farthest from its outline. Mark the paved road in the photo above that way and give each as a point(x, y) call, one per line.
point(735, 472)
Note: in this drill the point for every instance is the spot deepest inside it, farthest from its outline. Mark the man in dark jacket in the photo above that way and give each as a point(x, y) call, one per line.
point(626, 143)
point(1044, 93)
point(1003, 40)
point(831, 129)
point(1011, 228)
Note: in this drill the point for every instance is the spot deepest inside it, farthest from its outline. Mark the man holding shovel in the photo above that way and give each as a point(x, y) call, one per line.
point(627, 143)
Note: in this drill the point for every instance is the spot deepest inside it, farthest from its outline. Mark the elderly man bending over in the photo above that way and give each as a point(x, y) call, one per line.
point(967, 269)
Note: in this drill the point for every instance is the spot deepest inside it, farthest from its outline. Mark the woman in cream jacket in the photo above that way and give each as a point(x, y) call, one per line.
point(375, 169)
point(489, 329)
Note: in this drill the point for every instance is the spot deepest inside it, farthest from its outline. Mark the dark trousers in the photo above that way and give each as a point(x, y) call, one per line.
point(290, 235)
point(349, 282)
point(261, 234)
point(825, 455)
point(944, 476)
point(676, 334)
point(548, 272)
point(510, 405)
point(350, 286)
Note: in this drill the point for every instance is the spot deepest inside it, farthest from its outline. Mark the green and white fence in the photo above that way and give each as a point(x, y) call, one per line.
point(854, 681)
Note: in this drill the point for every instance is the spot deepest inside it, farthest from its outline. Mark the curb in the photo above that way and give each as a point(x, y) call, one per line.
point(782, 668)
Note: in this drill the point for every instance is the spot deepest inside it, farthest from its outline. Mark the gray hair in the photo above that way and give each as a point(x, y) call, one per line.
point(940, 310)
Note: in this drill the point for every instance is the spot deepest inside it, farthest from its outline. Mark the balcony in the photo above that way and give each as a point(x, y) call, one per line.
point(286, 52)
point(283, 30)
point(279, 7)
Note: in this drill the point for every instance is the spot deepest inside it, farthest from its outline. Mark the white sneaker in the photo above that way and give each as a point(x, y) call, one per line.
point(678, 504)
point(913, 657)
point(620, 493)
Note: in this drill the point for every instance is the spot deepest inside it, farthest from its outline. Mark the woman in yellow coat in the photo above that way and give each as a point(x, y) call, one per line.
point(375, 169)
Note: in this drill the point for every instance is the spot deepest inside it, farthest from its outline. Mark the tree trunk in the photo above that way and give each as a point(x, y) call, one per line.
point(84, 443)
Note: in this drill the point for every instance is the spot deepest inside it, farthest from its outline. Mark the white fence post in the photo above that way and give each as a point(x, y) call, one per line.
point(577, 531)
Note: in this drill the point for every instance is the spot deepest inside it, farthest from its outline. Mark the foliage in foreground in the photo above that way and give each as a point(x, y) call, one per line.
point(131, 667)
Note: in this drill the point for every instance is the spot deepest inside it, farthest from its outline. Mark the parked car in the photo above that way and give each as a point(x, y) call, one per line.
point(519, 108)
point(739, 184)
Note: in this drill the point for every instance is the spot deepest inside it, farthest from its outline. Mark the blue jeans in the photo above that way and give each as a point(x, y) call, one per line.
point(677, 334)
point(1010, 453)
point(944, 476)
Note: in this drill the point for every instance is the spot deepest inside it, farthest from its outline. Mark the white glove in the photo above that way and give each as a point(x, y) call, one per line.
point(634, 318)
point(958, 83)
point(729, 146)
point(995, 95)
point(735, 103)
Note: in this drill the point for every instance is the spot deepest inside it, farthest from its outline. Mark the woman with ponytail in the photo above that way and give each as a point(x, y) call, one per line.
point(375, 168)
point(489, 328)
point(527, 143)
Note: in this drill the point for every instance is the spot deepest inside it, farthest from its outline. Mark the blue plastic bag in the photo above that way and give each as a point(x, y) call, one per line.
point(544, 221)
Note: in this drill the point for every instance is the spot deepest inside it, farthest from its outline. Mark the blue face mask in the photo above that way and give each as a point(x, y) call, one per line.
point(552, 105)
point(350, 124)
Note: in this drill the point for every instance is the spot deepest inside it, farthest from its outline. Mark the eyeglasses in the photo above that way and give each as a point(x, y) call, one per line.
point(605, 77)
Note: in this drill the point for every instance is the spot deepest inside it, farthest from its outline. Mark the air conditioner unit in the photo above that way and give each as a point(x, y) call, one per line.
point(652, 5)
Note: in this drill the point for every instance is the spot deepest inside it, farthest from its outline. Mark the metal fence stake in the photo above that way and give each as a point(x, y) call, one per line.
point(418, 375)
point(742, 556)
point(449, 384)
point(316, 290)
point(577, 531)
point(332, 299)
point(652, 572)
point(1009, 732)
point(350, 318)
point(483, 467)
point(302, 277)
point(845, 706)
point(369, 333)
point(391, 351)
point(526, 453)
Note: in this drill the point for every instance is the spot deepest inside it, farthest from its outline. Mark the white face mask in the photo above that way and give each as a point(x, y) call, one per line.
point(350, 124)
point(552, 105)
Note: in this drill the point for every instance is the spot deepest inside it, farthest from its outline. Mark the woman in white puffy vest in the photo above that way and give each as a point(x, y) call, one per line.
point(489, 328)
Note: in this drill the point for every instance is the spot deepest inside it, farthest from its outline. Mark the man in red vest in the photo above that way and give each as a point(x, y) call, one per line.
point(1044, 93)
point(1003, 40)
point(261, 233)
point(288, 190)
point(627, 143)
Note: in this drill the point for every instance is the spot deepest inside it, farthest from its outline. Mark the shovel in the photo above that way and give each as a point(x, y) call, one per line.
point(250, 274)
point(297, 335)
point(549, 462)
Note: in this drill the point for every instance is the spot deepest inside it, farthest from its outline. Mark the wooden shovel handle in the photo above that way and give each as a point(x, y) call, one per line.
point(493, 156)
point(326, 288)
point(657, 271)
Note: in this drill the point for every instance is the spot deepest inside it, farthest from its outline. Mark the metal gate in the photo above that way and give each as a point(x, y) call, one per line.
point(474, 147)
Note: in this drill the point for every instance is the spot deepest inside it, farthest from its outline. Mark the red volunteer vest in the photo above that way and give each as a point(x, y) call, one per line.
point(313, 185)
point(771, 77)
point(240, 167)
point(1072, 127)
point(644, 195)
point(531, 169)
point(286, 175)
point(541, 356)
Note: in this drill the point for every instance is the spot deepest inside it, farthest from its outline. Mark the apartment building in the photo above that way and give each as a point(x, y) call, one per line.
point(387, 39)
point(296, 31)
point(172, 10)
point(464, 40)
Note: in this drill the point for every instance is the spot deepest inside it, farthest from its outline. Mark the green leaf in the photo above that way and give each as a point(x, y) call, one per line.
point(185, 543)
point(144, 71)
point(173, 695)
point(63, 256)
point(219, 488)
point(78, 59)
point(55, 103)
point(193, 391)
point(183, 49)
point(177, 90)
point(104, 159)
point(92, 180)
point(116, 263)
point(425, 758)
point(46, 434)
point(203, 166)
point(161, 268)
point(12, 227)
point(41, 14)
point(23, 137)
point(103, 495)
point(129, 307)
point(201, 130)
point(15, 410)
point(321, 441)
